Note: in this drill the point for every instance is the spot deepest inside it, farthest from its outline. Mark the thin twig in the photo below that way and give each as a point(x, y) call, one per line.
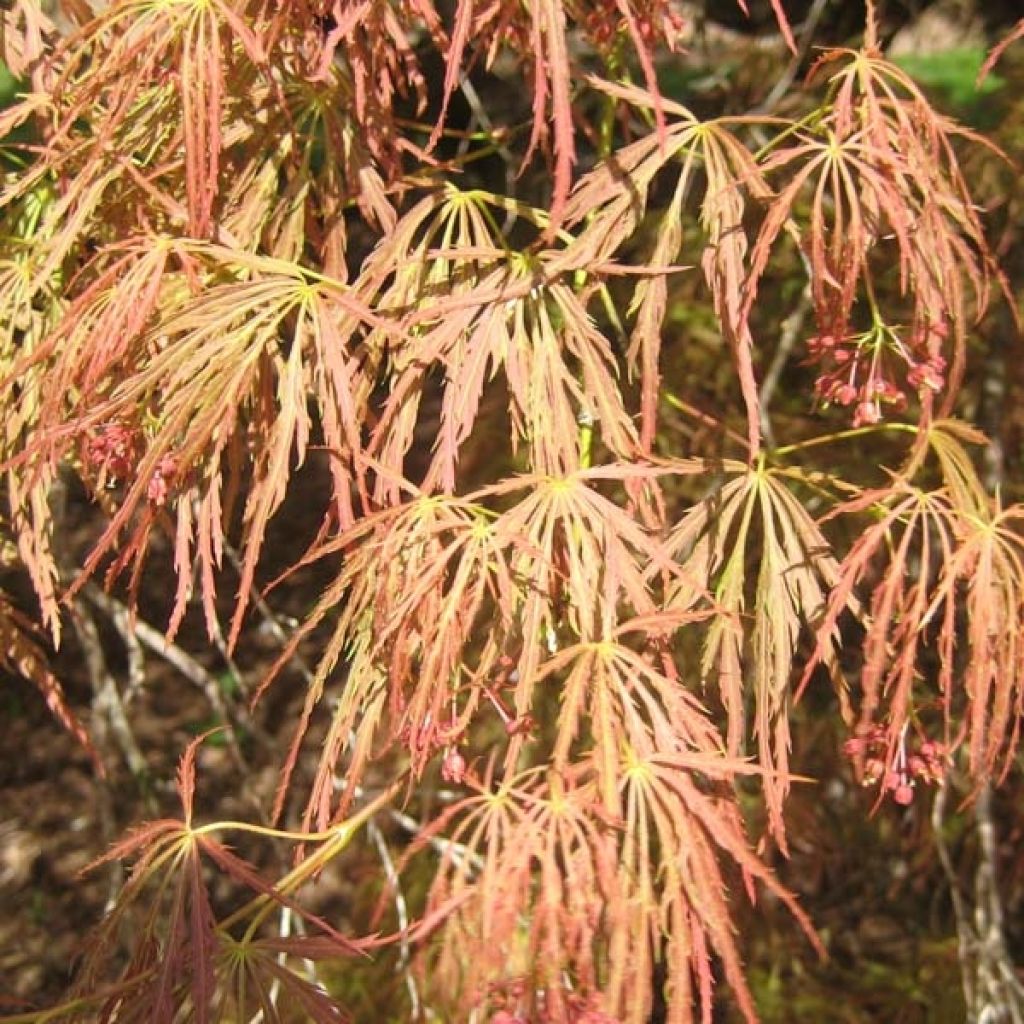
point(481, 117)
point(961, 913)
point(110, 727)
point(272, 620)
point(783, 85)
point(792, 327)
point(180, 659)
point(401, 912)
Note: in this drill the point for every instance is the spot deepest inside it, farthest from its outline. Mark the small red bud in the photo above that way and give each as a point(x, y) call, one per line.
point(453, 768)
point(867, 412)
point(903, 794)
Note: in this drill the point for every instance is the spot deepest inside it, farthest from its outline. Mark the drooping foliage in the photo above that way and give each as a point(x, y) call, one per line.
point(238, 235)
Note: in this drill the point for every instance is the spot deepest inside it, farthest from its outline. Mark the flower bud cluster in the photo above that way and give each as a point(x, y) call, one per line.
point(111, 453)
point(897, 773)
point(873, 370)
point(161, 480)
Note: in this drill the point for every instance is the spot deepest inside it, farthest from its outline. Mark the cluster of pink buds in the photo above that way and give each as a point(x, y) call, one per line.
point(160, 482)
point(861, 371)
point(453, 767)
point(898, 772)
point(112, 453)
point(507, 994)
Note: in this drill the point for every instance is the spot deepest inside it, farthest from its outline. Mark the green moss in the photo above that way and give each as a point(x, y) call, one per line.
point(954, 75)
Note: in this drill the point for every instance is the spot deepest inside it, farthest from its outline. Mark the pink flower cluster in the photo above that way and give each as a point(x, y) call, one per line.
point(453, 767)
point(897, 771)
point(160, 482)
point(111, 453)
point(874, 369)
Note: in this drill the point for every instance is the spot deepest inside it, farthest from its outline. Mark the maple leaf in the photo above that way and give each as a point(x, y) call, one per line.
point(182, 956)
point(951, 576)
point(419, 581)
point(882, 170)
point(505, 311)
point(612, 200)
point(756, 513)
point(216, 374)
point(546, 886)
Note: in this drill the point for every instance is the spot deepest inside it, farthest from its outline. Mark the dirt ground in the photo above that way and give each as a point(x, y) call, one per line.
point(56, 816)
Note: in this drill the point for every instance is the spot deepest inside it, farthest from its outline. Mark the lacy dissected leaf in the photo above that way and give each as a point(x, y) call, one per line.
point(581, 559)
point(316, 161)
point(373, 37)
point(235, 231)
point(503, 312)
point(29, 310)
point(24, 30)
point(679, 823)
point(423, 602)
point(559, 902)
point(441, 603)
point(882, 174)
point(436, 249)
point(192, 112)
point(258, 980)
point(217, 366)
point(914, 533)
point(984, 580)
point(612, 199)
point(527, 878)
point(754, 519)
point(102, 329)
point(614, 698)
point(52, 363)
point(540, 30)
point(183, 961)
point(949, 594)
point(946, 439)
point(176, 58)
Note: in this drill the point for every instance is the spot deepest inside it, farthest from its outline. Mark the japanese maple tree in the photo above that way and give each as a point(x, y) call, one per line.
point(570, 608)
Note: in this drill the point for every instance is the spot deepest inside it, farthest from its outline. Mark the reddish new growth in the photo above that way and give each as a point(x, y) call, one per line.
point(897, 771)
point(111, 453)
point(606, 22)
